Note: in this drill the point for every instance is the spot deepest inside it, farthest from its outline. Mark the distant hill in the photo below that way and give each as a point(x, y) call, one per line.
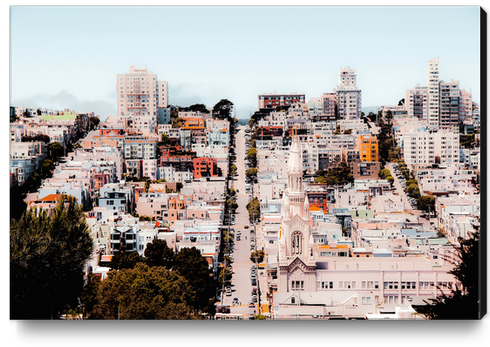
point(243, 121)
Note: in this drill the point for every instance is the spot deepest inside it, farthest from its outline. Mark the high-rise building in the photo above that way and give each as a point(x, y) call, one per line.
point(448, 104)
point(139, 93)
point(433, 93)
point(416, 102)
point(347, 96)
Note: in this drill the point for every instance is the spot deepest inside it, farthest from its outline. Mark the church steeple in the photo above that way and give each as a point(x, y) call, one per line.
point(295, 167)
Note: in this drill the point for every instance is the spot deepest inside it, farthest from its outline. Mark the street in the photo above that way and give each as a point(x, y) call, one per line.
point(241, 282)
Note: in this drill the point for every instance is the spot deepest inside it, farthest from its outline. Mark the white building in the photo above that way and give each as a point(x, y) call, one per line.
point(433, 93)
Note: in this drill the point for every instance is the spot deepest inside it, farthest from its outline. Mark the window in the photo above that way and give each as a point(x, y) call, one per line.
point(366, 300)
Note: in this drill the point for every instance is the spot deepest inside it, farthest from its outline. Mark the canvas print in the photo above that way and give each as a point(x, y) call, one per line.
point(246, 163)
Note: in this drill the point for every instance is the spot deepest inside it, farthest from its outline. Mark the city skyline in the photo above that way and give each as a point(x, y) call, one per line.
point(269, 49)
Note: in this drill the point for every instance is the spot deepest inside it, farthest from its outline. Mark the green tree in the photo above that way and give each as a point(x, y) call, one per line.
point(253, 208)
point(410, 182)
point(56, 149)
point(166, 139)
point(126, 260)
point(145, 293)
point(321, 179)
point(223, 109)
point(226, 272)
point(47, 256)
point(233, 170)
point(195, 269)
point(89, 295)
point(260, 317)
point(252, 157)
point(257, 256)
point(413, 191)
point(146, 218)
point(463, 302)
point(251, 174)
point(158, 253)
point(178, 123)
point(426, 203)
point(199, 108)
point(93, 122)
point(319, 172)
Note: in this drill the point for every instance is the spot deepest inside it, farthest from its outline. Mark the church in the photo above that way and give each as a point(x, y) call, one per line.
point(312, 285)
point(296, 263)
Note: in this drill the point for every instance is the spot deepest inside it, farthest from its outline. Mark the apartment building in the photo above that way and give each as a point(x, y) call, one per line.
point(273, 100)
point(329, 106)
point(347, 96)
point(139, 93)
point(368, 148)
point(140, 148)
point(450, 180)
point(416, 102)
point(433, 93)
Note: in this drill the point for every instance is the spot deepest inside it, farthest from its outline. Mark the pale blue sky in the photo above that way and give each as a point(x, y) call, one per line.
point(69, 56)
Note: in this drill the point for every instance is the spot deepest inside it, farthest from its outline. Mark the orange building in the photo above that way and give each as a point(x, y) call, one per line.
point(194, 123)
point(368, 147)
point(205, 167)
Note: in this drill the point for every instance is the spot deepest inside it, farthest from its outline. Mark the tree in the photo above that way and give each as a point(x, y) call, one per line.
point(158, 253)
point(93, 122)
point(321, 179)
point(144, 293)
point(463, 302)
point(226, 272)
point(251, 174)
point(126, 260)
point(252, 157)
point(166, 139)
point(426, 203)
point(257, 256)
point(253, 208)
point(178, 123)
point(189, 263)
point(413, 191)
point(56, 150)
point(199, 108)
point(223, 109)
point(47, 255)
point(89, 295)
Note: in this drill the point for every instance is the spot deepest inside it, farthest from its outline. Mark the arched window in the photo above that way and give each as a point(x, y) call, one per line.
point(297, 243)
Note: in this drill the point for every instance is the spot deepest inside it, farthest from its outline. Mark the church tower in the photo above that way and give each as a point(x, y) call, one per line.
point(297, 268)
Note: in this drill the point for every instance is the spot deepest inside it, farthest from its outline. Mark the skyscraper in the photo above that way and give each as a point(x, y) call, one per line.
point(433, 93)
